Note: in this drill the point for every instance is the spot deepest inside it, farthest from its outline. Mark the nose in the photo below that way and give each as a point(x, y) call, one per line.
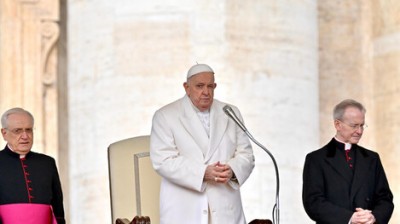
point(24, 134)
point(206, 91)
point(359, 129)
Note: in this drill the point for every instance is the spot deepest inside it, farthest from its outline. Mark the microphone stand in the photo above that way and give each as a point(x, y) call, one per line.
point(275, 211)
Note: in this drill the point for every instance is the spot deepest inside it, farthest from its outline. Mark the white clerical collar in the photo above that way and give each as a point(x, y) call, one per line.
point(347, 146)
point(12, 150)
point(203, 113)
point(204, 117)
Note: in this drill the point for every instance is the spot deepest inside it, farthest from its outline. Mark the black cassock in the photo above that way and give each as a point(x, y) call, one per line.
point(30, 180)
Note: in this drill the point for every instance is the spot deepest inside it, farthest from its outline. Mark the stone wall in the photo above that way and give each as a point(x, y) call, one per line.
point(28, 65)
point(386, 56)
point(359, 53)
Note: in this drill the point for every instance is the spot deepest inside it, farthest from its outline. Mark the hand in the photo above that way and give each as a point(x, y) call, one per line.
point(219, 173)
point(361, 216)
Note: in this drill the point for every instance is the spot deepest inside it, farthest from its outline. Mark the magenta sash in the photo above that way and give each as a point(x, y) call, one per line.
point(27, 214)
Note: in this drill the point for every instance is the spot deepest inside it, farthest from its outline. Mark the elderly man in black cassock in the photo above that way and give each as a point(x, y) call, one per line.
point(30, 188)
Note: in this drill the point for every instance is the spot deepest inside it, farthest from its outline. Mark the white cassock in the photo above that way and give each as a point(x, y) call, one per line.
point(180, 150)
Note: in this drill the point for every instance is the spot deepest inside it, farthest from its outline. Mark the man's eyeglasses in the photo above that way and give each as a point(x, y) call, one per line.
point(20, 131)
point(355, 126)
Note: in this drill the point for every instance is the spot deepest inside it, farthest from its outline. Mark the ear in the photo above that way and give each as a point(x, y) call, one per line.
point(186, 87)
point(337, 124)
point(3, 133)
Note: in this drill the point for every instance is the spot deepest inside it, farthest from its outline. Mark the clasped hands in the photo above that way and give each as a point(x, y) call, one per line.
point(218, 172)
point(361, 216)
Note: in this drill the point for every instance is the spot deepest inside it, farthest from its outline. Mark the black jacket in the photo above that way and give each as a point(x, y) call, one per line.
point(332, 191)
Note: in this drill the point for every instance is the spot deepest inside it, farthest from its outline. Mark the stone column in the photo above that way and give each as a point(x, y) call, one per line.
point(28, 65)
point(386, 56)
point(359, 54)
point(271, 62)
point(345, 64)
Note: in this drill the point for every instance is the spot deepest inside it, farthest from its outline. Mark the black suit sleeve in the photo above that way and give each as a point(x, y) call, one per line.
point(57, 198)
point(382, 201)
point(315, 201)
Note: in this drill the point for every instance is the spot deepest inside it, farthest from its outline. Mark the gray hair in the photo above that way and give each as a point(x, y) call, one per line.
point(339, 109)
point(15, 110)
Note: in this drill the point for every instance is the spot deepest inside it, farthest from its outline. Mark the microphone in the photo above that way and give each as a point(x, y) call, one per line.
point(275, 211)
point(229, 111)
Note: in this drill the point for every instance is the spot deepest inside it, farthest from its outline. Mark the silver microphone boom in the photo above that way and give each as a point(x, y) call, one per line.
point(275, 211)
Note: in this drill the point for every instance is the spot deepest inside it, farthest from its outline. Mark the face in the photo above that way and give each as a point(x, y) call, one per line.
point(19, 133)
point(200, 89)
point(350, 128)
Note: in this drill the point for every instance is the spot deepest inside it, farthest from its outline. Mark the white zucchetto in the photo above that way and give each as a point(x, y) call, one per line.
point(198, 68)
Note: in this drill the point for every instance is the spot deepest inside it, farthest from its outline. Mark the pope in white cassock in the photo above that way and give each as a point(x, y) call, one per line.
point(202, 156)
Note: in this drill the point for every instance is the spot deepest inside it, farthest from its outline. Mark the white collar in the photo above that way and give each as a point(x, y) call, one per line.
point(347, 146)
point(12, 150)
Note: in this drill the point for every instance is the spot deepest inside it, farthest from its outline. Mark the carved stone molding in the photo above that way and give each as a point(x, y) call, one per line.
point(28, 64)
point(50, 34)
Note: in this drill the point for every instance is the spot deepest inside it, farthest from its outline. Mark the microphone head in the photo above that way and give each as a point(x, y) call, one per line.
point(227, 109)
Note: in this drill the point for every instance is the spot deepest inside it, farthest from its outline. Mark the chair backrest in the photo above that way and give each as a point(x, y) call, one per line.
point(134, 185)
